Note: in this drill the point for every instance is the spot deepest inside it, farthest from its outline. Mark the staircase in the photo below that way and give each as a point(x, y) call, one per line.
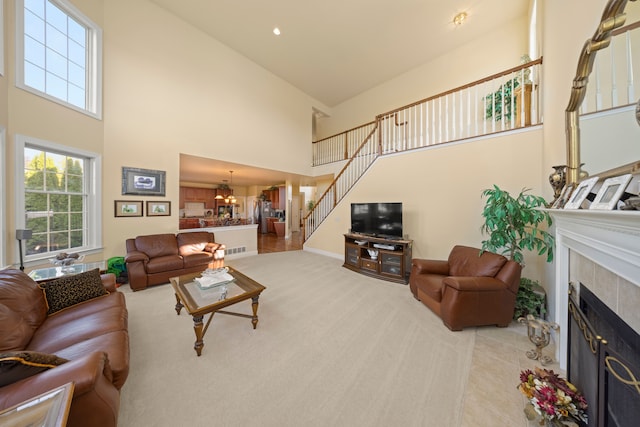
point(502, 102)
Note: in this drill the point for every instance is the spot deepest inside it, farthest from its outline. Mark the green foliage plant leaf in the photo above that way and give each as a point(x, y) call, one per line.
point(516, 224)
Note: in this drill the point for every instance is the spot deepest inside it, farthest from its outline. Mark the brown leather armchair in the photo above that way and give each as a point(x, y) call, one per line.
point(468, 289)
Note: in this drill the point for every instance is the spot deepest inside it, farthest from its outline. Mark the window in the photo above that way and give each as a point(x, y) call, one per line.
point(57, 198)
point(3, 191)
point(1, 51)
point(59, 54)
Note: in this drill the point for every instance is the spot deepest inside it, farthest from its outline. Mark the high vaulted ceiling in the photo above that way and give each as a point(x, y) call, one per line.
point(333, 50)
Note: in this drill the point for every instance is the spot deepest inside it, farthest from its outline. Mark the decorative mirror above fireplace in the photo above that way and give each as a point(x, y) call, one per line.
point(607, 142)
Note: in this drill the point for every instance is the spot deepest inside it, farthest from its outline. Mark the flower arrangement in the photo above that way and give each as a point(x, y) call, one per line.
point(554, 399)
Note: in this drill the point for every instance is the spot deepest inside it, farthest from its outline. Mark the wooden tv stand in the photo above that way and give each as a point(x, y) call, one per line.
point(393, 262)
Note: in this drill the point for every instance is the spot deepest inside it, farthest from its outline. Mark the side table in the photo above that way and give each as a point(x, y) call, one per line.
point(49, 409)
point(55, 272)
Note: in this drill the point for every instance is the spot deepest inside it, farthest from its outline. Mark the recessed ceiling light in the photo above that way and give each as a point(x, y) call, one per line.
point(276, 31)
point(460, 18)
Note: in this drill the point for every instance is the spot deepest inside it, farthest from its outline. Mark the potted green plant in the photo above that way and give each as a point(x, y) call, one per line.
point(530, 299)
point(502, 97)
point(310, 205)
point(514, 224)
point(493, 102)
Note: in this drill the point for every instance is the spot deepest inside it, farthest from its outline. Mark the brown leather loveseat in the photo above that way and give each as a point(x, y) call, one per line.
point(75, 330)
point(153, 259)
point(468, 289)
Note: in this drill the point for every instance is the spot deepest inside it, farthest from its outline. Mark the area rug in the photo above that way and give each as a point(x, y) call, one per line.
point(332, 348)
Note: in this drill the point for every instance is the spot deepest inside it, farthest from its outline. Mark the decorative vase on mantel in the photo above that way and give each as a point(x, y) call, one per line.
point(558, 179)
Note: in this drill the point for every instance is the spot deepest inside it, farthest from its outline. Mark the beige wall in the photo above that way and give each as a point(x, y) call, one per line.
point(4, 82)
point(169, 89)
point(561, 45)
point(440, 188)
point(495, 52)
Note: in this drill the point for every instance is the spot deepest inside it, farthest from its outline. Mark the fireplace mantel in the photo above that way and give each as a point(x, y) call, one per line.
point(608, 238)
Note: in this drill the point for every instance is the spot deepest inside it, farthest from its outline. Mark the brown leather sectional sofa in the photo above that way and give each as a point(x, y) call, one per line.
point(91, 335)
point(153, 259)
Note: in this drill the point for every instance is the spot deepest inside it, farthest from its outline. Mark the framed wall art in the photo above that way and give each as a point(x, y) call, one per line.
point(158, 208)
point(128, 208)
point(143, 182)
point(580, 193)
point(610, 192)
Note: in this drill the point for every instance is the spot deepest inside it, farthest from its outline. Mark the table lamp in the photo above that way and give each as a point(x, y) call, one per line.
point(22, 235)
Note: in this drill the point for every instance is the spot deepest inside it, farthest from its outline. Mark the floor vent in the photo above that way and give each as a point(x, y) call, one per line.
point(231, 251)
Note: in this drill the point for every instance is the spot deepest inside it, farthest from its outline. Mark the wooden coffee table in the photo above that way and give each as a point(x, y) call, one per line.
point(199, 302)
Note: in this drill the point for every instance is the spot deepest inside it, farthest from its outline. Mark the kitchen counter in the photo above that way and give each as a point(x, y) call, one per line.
point(195, 222)
point(240, 240)
point(279, 228)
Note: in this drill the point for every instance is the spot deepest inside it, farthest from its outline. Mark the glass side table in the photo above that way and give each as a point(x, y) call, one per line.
point(55, 272)
point(50, 409)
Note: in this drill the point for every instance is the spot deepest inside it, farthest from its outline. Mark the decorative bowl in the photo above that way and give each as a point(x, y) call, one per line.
point(373, 253)
point(66, 260)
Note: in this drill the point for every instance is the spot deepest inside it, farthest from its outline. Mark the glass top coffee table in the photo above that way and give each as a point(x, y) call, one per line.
point(55, 272)
point(199, 302)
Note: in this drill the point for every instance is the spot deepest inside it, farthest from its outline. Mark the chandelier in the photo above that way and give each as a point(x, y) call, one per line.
point(230, 198)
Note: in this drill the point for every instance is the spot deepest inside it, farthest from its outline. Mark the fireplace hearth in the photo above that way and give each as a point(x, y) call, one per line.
point(603, 361)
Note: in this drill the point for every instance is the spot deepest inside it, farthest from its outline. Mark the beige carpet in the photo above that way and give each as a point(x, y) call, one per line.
point(332, 348)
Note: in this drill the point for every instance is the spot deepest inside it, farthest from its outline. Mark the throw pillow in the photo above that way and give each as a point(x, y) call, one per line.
point(71, 290)
point(18, 365)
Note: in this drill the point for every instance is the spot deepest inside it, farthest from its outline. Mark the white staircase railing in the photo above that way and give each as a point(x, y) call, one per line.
point(498, 103)
point(361, 159)
point(615, 71)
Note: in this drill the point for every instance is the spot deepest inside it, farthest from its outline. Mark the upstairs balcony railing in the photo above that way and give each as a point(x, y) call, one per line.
point(498, 103)
point(615, 70)
point(501, 102)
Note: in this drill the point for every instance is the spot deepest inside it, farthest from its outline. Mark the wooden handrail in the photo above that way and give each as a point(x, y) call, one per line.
point(341, 184)
point(355, 154)
point(626, 28)
point(346, 131)
point(468, 85)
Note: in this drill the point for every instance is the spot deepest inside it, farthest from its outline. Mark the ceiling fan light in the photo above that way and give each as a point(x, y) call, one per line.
point(460, 18)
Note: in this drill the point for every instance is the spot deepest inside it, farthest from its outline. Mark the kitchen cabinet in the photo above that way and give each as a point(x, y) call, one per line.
point(270, 227)
point(277, 197)
point(195, 194)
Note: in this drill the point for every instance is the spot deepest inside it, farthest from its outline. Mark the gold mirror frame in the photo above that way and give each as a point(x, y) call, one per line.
point(613, 17)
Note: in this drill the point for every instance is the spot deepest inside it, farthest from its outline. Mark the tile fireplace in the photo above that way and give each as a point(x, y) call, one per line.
point(598, 258)
point(602, 250)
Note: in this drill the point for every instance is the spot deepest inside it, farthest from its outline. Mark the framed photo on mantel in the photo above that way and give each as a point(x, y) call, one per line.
point(143, 182)
point(580, 193)
point(610, 192)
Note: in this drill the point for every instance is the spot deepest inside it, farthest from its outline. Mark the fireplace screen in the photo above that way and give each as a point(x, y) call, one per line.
point(603, 361)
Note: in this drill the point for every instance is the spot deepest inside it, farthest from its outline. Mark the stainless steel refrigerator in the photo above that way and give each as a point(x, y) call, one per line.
point(264, 211)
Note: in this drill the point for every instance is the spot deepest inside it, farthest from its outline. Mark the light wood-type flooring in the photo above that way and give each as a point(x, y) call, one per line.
point(269, 242)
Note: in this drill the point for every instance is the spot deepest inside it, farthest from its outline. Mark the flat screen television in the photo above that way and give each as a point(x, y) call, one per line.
point(377, 219)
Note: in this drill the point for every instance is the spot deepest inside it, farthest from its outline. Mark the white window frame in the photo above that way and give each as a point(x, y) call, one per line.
point(93, 184)
point(94, 59)
point(3, 198)
point(1, 54)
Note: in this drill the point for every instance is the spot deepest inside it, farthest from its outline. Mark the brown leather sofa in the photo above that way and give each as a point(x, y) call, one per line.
point(153, 259)
point(468, 289)
point(91, 335)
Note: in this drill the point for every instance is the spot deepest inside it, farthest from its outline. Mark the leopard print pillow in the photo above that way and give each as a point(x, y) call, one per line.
point(70, 290)
point(17, 365)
